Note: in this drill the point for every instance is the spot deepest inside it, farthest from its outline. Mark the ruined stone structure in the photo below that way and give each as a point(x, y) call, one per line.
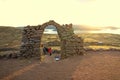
point(31, 40)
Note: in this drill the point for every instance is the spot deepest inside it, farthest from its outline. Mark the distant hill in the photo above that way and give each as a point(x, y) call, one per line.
point(101, 39)
point(20, 28)
point(9, 36)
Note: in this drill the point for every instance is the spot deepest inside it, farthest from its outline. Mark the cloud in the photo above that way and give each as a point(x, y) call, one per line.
point(93, 28)
point(112, 28)
point(85, 28)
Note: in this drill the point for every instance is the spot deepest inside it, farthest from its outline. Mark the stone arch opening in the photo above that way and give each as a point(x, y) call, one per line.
point(31, 40)
point(50, 39)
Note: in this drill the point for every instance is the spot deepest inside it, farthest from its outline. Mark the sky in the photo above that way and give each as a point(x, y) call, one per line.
point(95, 13)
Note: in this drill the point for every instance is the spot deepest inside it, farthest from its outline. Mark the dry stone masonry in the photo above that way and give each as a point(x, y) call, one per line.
point(31, 40)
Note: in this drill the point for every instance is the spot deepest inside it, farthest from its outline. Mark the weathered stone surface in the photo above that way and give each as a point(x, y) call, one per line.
point(31, 40)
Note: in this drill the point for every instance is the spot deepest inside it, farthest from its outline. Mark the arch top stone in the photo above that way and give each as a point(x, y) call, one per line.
point(51, 22)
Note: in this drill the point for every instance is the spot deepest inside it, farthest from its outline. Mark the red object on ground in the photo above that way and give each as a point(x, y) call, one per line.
point(49, 50)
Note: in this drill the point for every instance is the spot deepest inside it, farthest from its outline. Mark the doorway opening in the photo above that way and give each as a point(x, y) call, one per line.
point(50, 39)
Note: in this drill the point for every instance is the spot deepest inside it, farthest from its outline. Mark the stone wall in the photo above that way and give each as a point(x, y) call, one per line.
point(31, 40)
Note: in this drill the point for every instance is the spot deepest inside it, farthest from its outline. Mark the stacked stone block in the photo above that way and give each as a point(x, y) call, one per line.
point(31, 40)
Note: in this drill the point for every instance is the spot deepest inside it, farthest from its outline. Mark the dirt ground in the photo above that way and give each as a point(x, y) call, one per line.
point(95, 65)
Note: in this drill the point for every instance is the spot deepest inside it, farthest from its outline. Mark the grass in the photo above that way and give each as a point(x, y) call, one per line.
point(10, 36)
point(102, 47)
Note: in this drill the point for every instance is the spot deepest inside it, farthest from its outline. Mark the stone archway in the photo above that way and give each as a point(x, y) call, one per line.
point(31, 40)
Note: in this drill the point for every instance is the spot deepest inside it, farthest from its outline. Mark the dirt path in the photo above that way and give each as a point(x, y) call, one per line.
point(102, 65)
point(19, 72)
